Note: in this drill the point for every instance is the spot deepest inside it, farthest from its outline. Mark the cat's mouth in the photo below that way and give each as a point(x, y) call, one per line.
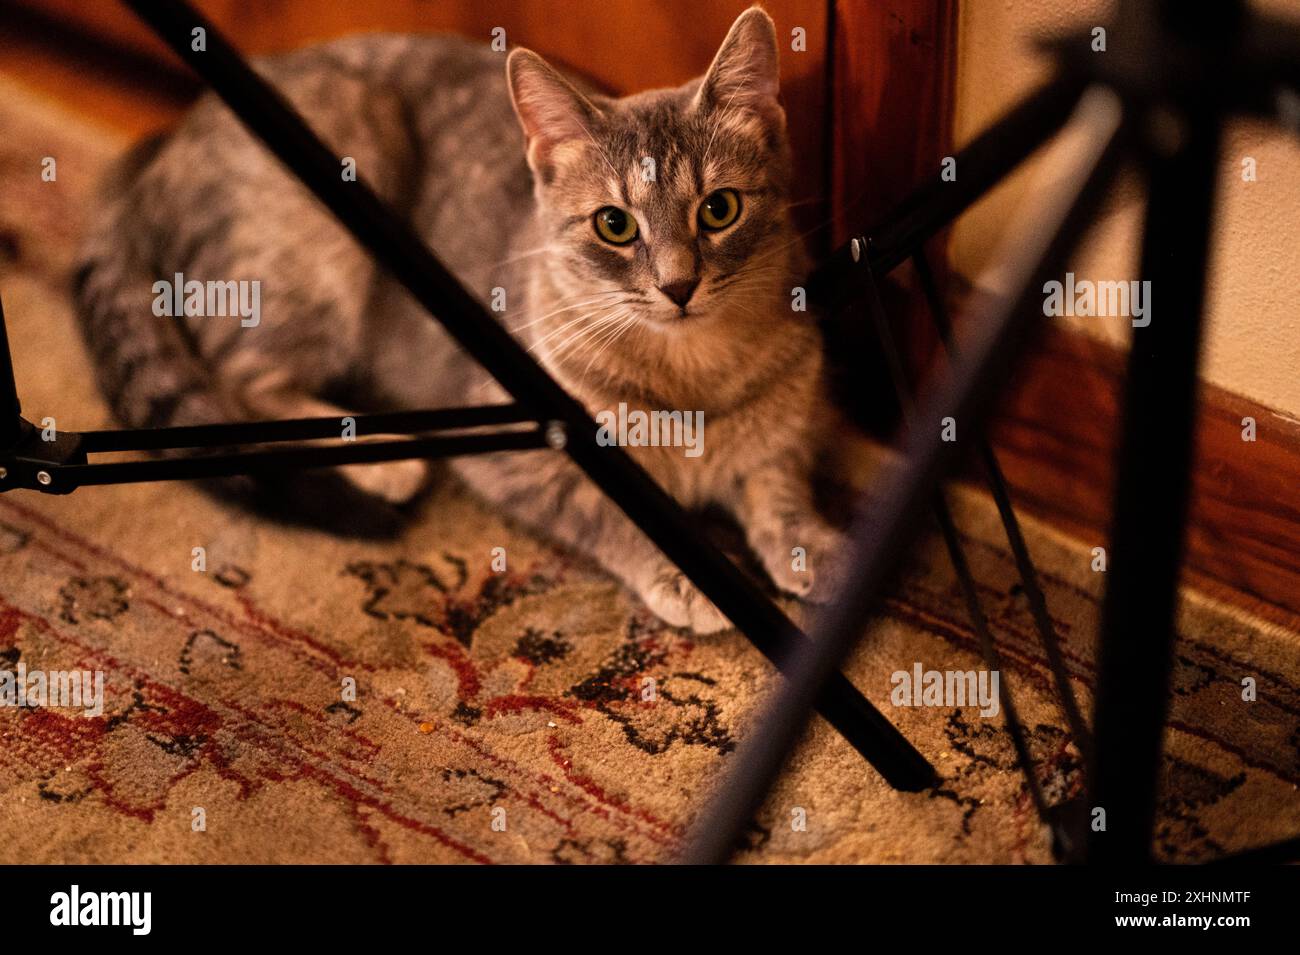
point(678, 314)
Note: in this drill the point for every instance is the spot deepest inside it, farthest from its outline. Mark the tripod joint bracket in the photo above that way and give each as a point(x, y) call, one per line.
point(37, 462)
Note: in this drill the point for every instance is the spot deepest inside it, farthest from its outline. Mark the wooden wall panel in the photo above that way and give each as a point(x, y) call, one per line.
point(891, 98)
point(893, 65)
point(1057, 433)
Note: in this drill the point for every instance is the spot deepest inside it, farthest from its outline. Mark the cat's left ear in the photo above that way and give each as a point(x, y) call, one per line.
point(746, 72)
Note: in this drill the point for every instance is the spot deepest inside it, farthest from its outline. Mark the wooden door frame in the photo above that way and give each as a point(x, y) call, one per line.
point(891, 92)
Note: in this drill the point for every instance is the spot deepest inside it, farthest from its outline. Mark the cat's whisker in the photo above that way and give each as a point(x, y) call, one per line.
point(593, 321)
point(487, 267)
point(573, 346)
point(599, 302)
point(568, 308)
point(619, 332)
point(804, 202)
point(750, 312)
point(593, 340)
point(746, 277)
point(592, 328)
point(771, 254)
point(747, 271)
point(483, 384)
point(797, 239)
point(586, 316)
point(585, 293)
point(489, 380)
point(549, 247)
point(572, 299)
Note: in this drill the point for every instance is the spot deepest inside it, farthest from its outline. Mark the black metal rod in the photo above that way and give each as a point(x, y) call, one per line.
point(997, 484)
point(887, 526)
point(396, 246)
point(979, 166)
point(903, 390)
point(993, 660)
point(256, 462)
point(10, 409)
point(301, 429)
point(1151, 490)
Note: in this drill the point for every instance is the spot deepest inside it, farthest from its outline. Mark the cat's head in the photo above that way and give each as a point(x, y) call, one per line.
point(672, 204)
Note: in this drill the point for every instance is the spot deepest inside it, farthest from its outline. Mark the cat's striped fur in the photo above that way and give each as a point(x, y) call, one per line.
point(430, 123)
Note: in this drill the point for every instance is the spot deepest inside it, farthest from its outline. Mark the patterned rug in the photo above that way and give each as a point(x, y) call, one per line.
point(309, 698)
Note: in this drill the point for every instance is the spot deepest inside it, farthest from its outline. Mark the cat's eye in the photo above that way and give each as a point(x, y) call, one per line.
point(719, 209)
point(615, 226)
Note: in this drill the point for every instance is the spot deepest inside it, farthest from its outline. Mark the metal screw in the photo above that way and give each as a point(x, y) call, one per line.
point(44, 477)
point(555, 435)
point(855, 250)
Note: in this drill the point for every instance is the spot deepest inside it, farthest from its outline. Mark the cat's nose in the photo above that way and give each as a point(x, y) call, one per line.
point(680, 291)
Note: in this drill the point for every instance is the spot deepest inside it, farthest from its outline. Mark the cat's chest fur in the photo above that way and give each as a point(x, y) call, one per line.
point(748, 408)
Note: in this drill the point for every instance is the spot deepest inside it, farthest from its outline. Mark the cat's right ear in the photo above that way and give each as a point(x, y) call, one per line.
point(550, 110)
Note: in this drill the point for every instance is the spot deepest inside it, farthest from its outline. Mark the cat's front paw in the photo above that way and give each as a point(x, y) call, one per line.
point(393, 481)
point(678, 602)
point(810, 562)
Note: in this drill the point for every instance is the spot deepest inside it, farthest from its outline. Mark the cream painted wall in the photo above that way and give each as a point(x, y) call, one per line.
point(1253, 341)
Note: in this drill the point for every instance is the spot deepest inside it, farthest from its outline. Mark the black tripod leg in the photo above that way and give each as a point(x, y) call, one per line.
point(9, 407)
point(956, 552)
point(1041, 242)
point(1153, 477)
point(997, 483)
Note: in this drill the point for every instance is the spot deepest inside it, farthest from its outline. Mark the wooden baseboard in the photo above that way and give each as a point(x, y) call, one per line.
point(1056, 436)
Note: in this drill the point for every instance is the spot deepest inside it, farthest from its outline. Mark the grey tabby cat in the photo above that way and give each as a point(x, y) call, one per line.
point(666, 294)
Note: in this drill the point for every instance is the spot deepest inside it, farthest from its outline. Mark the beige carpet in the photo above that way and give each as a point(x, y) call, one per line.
point(479, 692)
